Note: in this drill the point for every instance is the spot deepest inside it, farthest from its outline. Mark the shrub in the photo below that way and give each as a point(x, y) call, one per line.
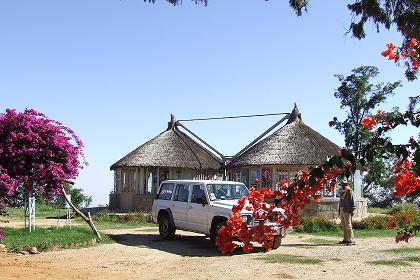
point(395, 210)
point(374, 222)
point(314, 224)
point(141, 217)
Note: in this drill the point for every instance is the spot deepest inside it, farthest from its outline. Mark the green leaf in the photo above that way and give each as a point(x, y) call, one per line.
point(317, 172)
point(312, 181)
point(369, 155)
point(301, 184)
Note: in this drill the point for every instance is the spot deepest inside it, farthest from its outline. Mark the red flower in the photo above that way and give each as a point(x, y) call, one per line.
point(393, 56)
point(368, 122)
point(392, 224)
point(412, 43)
point(414, 64)
point(257, 181)
point(404, 180)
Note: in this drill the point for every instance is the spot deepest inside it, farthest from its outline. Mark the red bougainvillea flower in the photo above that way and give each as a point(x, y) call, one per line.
point(411, 43)
point(414, 64)
point(392, 224)
point(389, 50)
point(257, 181)
point(368, 122)
point(402, 237)
point(317, 198)
point(404, 179)
point(409, 51)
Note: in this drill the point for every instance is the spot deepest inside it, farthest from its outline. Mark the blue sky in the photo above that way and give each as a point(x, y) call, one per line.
point(113, 70)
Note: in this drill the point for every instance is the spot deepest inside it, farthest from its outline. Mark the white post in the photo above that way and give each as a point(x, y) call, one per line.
point(67, 207)
point(30, 213)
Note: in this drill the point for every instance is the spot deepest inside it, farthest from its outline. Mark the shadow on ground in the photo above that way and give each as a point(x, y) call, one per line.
point(306, 245)
point(183, 245)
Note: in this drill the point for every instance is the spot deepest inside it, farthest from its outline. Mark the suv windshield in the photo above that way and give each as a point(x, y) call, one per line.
point(225, 191)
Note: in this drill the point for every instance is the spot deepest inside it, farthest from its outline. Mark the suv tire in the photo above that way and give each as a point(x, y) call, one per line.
point(276, 241)
point(166, 227)
point(215, 229)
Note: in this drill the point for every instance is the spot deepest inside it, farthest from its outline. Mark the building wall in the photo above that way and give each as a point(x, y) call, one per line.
point(328, 207)
point(135, 187)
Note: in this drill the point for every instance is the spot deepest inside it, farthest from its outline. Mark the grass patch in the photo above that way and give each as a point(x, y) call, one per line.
point(415, 259)
point(156, 229)
point(49, 238)
point(320, 241)
point(102, 225)
point(378, 210)
point(396, 262)
point(42, 211)
point(403, 250)
point(107, 220)
point(284, 258)
point(374, 233)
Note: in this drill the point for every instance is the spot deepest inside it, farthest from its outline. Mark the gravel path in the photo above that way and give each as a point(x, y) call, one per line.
point(140, 254)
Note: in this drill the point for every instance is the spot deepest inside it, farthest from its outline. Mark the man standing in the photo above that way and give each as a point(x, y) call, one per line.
point(346, 210)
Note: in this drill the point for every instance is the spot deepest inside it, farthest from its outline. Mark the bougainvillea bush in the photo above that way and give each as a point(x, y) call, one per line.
point(37, 155)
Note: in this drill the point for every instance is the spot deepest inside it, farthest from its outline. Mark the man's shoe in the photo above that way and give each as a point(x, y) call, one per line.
point(343, 242)
point(350, 243)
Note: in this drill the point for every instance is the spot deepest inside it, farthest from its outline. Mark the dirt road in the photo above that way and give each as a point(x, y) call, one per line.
point(140, 254)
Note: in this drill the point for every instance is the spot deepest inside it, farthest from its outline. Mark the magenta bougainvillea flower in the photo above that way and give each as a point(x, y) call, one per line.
point(37, 155)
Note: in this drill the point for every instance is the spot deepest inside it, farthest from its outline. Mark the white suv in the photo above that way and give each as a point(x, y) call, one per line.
point(201, 206)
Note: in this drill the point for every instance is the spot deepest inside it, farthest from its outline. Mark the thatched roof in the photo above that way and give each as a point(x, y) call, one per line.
point(171, 148)
point(293, 144)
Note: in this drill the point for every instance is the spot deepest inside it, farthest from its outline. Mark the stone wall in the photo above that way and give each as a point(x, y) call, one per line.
point(143, 202)
point(328, 207)
point(114, 201)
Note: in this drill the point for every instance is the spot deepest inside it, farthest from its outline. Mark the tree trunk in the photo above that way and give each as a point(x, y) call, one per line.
point(87, 220)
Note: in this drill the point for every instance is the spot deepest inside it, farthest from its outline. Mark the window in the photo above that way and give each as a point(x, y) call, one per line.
point(166, 191)
point(198, 194)
point(226, 191)
point(163, 174)
point(181, 193)
point(254, 174)
point(267, 178)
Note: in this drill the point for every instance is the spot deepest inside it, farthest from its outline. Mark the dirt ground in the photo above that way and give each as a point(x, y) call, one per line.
point(140, 254)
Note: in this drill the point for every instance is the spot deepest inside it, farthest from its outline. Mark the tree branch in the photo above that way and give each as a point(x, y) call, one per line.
point(86, 219)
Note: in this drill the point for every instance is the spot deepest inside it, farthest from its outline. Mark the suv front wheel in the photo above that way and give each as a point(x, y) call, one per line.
point(166, 228)
point(276, 241)
point(214, 231)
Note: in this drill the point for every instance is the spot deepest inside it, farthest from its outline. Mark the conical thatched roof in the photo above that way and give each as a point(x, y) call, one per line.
point(171, 148)
point(293, 144)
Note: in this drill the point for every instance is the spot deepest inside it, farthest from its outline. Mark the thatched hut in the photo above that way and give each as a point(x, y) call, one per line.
point(170, 155)
point(293, 147)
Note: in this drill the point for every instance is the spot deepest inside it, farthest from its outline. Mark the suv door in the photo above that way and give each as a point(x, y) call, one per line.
point(179, 204)
point(197, 210)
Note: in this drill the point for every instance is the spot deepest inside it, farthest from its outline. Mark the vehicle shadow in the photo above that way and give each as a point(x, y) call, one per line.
point(182, 245)
point(312, 245)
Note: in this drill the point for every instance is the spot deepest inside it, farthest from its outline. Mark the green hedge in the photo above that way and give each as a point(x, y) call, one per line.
point(373, 222)
point(313, 224)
